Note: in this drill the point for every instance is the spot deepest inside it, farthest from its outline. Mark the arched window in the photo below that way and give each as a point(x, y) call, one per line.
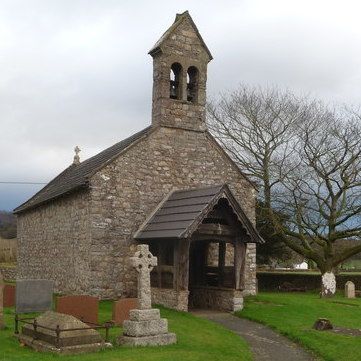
point(192, 84)
point(175, 81)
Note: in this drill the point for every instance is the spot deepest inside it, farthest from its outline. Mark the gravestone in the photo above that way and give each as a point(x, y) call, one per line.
point(85, 308)
point(63, 334)
point(145, 327)
point(121, 309)
point(2, 324)
point(33, 295)
point(350, 290)
point(323, 324)
point(9, 296)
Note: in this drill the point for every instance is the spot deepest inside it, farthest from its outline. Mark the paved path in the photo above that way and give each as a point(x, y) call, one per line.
point(265, 344)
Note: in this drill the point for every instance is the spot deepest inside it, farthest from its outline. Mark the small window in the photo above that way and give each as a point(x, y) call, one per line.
point(192, 84)
point(175, 81)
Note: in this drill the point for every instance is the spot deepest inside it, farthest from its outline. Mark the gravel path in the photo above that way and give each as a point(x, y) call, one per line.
point(266, 344)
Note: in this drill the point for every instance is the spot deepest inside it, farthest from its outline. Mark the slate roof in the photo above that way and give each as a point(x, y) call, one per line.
point(76, 176)
point(181, 212)
point(178, 19)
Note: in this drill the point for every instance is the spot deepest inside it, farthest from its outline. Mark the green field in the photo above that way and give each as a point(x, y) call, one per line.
point(198, 339)
point(293, 315)
point(352, 264)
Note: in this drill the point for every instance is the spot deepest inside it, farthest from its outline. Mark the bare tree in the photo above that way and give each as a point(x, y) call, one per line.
point(306, 160)
point(257, 127)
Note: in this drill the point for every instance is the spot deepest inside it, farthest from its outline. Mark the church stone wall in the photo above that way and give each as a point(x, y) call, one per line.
point(53, 243)
point(127, 190)
point(170, 298)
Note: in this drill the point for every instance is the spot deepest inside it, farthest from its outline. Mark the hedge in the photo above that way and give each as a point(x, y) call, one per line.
point(270, 281)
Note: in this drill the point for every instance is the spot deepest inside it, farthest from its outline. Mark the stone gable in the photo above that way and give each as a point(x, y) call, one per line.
point(185, 41)
point(126, 191)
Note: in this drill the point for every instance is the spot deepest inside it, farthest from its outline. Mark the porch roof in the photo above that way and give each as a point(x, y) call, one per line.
point(181, 212)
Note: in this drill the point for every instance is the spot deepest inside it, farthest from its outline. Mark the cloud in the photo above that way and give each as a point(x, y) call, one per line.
point(76, 72)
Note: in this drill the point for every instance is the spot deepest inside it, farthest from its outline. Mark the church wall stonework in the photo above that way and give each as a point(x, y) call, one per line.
point(170, 298)
point(128, 189)
point(54, 243)
point(223, 299)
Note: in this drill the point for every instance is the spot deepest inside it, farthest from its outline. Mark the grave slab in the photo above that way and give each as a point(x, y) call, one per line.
point(9, 295)
point(121, 309)
point(83, 307)
point(33, 295)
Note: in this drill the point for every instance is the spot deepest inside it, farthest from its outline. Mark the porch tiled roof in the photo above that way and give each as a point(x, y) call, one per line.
point(181, 212)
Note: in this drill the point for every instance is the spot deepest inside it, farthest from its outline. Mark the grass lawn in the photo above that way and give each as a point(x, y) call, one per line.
point(293, 314)
point(7, 264)
point(198, 339)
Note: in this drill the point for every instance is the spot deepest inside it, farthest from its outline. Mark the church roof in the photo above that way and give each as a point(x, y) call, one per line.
point(178, 20)
point(182, 211)
point(76, 176)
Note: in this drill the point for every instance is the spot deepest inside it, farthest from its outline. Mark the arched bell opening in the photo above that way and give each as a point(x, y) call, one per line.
point(192, 84)
point(175, 82)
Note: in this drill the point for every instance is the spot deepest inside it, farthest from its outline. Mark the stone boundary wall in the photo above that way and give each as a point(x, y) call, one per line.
point(223, 299)
point(270, 281)
point(9, 273)
point(177, 300)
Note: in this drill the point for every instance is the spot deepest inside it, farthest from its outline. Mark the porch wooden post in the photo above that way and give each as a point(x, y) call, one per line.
point(159, 266)
point(221, 262)
point(181, 258)
point(239, 263)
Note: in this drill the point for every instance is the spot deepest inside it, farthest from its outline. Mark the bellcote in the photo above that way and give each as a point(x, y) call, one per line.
point(180, 59)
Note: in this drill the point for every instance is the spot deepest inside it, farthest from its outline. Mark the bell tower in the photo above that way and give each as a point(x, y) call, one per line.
point(180, 59)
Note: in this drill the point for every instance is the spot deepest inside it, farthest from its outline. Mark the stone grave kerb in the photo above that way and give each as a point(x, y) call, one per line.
point(143, 261)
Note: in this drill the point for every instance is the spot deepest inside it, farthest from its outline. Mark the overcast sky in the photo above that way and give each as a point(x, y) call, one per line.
point(77, 72)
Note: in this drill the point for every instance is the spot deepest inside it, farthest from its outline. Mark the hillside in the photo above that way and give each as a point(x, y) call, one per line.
point(7, 225)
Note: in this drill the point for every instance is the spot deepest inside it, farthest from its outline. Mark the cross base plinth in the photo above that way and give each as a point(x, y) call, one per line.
point(146, 328)
point(157, 340)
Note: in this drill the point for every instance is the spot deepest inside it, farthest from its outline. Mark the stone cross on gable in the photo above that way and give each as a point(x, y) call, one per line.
point(143, 261)
point(76, 160)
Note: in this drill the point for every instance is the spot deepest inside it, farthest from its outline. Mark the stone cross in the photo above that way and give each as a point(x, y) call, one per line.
point(2, 285)
point(76, 156)
point(143, 261)
point(349, 289)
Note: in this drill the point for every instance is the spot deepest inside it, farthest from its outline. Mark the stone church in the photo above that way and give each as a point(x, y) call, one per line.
point(170, 185)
